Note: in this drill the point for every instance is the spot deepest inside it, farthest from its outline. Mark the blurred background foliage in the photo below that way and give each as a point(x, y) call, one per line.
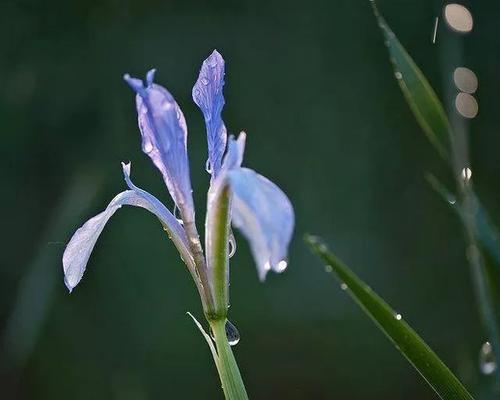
point(312, 86)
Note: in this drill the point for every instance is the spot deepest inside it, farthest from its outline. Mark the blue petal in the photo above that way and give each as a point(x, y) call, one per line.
point(264, 214)
point(207, 94)
point(79, 249)
point(164, 137)
point(259, 209)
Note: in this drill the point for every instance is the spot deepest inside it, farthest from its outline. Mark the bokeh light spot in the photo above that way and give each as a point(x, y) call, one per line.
point(466, 105)
point(458, 17)
point(465, 80)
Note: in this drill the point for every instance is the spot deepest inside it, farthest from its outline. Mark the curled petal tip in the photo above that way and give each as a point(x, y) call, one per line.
point(150, 76)
point(126, 167)
point(134, 83)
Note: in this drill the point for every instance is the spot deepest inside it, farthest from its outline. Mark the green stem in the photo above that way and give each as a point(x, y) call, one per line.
point(232, 383)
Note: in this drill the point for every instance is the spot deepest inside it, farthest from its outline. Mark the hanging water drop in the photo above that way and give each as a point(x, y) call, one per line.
point(398, 75)
point(232, 244)
point(344, 286)
point(232, 334)
point(281, 266)
point(147, 146)
point(398, 317)
point(208, 166)
point(487, 361)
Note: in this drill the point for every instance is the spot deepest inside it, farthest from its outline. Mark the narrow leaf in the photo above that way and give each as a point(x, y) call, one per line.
point(406, 340)
point(487, 232)
point(419, 94)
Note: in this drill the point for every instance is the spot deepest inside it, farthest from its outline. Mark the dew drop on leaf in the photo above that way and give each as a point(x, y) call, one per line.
point(487, 361)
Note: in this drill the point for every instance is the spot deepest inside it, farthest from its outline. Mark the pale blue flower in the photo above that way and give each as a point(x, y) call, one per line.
point(257, 207)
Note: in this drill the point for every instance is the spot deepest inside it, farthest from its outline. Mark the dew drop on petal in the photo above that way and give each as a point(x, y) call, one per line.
point(487, 361)
point(204, 81)
point(267, 266)
point(281, 266)
point(208, 166)
point(147, 146)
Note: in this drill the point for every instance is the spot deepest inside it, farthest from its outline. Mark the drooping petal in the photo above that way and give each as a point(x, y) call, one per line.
point(207, 94)
point(264, 214)
point(79, 249)
point(259, 209)
point(164, 137)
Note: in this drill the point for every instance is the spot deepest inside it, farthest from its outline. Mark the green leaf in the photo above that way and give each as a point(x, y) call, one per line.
point(419, 94)
point(406, 340)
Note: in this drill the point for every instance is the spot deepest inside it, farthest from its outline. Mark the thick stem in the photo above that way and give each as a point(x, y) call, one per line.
point(232, 383)
point(217, 248)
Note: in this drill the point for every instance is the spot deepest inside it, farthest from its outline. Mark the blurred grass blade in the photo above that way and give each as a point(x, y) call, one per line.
point(419, 94)
point(406, 340)
point(487, 233)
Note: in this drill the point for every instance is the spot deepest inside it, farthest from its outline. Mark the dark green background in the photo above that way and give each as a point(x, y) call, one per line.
point(311, 84)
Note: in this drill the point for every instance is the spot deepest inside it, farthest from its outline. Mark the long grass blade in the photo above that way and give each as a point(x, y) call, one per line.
point(406, 340)
point(419, 94)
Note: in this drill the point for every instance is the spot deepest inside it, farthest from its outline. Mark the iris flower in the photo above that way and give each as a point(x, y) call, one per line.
point(237, 195)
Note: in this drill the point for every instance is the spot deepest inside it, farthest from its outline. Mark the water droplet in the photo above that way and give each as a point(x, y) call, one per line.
point(458, 18)
point(328, 268)
point(344, 286)
point(204, 81)
point(398, 75)
point(232, 334)
point(147, 146)
point(466, 174)
point(267, 265)
point(232, 244)
point(398, 317)
point(208, 166)
point(487, 361)
point(281, 266)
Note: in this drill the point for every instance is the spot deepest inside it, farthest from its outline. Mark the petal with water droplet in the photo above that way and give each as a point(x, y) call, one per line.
point(79, 249)
point(264, 214)
point(208, 96)
point(164, 137)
